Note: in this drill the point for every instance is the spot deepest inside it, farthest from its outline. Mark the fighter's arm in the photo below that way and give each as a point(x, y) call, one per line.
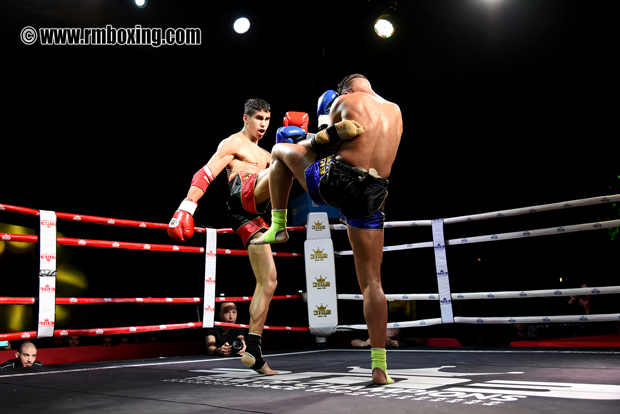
point(181, 226)
point(225, 153)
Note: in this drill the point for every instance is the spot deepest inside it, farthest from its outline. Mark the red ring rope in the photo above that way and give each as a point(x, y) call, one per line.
point(83, 301)
point(115, 222)
point(66, 241)
point(139, 329)
point(131, 246)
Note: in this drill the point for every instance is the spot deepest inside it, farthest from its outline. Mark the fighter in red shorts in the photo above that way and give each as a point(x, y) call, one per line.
point(247, 166)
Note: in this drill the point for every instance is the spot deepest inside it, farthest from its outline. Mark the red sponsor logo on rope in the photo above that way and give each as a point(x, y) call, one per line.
point(6, 236)
point(25, 335)
point(64, 333)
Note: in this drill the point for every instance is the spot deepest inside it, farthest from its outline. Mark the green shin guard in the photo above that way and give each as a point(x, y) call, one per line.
point(278, 223)
point(379, 361)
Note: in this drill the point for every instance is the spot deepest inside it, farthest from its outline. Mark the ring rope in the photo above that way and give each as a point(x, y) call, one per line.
point(539, 319)
point(123, 245)
point(496, 295)
point(84, 301)
point(502, 236)
point(137, 329)
point(66, 241)
point(115, 222)
point(500, 213)
point(496, 320)
point(268, 327)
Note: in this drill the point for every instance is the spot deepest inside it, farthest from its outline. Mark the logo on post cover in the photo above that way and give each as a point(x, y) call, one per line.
point(318, 255)
point(321, 283)
point(318, 226)
point(322, 311)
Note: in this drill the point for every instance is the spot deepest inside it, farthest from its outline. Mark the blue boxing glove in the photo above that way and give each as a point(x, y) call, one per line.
point(323, 108)
point(290, 135)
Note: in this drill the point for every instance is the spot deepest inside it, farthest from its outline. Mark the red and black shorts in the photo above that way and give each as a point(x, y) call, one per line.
point(243, 213)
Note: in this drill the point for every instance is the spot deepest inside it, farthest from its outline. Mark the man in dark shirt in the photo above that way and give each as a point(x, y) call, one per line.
point(220, 339)
point(26, 356)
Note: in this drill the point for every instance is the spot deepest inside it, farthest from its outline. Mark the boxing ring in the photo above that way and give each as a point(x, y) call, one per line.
point(317, 379)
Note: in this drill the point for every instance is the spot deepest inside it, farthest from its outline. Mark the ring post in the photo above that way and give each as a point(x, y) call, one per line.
point(47, 274)
point(320, 277)
point(441, 264)
point(209, 293)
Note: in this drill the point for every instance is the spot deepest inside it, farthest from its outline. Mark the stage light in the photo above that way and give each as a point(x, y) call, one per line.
point(140, 3)
point(383, 26)
point(241, 25)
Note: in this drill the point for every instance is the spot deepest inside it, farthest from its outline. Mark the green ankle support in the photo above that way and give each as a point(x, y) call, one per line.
point(379, 360)
point(278, 223)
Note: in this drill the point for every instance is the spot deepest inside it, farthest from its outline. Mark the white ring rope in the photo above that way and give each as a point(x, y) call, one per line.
point(501, 213)
point(499, 295)
point(539, 319)
point(502, 236)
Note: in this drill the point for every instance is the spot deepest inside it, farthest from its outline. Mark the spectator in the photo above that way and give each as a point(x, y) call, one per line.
point(107, 341)
point(581, 304)
point(25, 357)
point(220, 339)
point(73, 340)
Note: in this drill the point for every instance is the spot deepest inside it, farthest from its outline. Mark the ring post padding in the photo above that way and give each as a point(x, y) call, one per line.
point(47, 274)
point(209, 295)
point(443, 281)
point(320, 277)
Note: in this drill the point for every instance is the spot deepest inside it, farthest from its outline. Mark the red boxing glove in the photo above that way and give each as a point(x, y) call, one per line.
point(181, 227)
point(298, 119)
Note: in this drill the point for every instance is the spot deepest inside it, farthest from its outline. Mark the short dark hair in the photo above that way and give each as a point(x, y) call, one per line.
point(345, 85)
point(253, 105)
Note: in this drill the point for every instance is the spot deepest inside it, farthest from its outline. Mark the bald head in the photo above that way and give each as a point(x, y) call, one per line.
point(26, 354)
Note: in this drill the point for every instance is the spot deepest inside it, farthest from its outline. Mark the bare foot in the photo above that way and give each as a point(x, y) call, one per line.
point(379, 377)
point(267, 371)
point(265, 238)
point(248, 361)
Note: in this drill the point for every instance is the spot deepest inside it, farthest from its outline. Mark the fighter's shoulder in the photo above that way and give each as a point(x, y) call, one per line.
point(233, 141)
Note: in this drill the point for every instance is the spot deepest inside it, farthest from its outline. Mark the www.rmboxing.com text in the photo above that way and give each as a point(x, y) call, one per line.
point(111, 36)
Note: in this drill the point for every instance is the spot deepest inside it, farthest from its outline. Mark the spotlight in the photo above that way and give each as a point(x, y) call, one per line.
point(241, 25)
point(383, 26)
point(140, 3)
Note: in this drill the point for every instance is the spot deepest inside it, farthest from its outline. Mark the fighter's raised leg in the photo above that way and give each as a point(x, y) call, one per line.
point(288, 162)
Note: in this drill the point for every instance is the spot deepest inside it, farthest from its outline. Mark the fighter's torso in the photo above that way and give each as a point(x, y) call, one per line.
point(248, 157)
point(383, 126)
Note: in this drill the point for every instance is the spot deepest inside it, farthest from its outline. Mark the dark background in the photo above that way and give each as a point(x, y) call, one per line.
point(506, 104)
